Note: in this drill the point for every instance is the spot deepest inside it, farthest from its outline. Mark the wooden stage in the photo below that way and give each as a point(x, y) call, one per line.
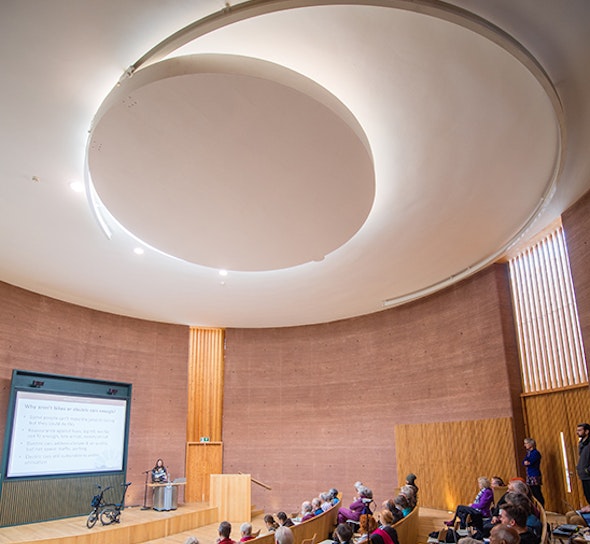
point(136, 526)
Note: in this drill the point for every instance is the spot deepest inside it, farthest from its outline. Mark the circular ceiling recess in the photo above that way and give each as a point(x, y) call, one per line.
point(231, 162)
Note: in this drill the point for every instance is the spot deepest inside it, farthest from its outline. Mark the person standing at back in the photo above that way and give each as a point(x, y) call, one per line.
point(583, 467)
point(532, 463)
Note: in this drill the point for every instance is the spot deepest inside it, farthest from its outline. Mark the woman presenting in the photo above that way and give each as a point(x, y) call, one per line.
point(159, 473)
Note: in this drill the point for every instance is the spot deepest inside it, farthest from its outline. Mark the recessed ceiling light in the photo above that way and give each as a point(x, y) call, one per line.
point(77, 186)
point(139, 251)
point(223, 272)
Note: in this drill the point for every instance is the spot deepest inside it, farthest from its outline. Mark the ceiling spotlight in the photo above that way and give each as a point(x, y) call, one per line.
point(139, 251)
point(77, 186)
point(223, 272)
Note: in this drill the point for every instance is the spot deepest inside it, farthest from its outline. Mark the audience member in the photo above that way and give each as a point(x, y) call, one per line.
point(316, 506)
point(191, 540)
point(497, 481)
point(326, 499)
point(342, 534)
point(334, 495)
point(306, 511)
point(524, 502)
point(384, 533)
point(515, 517)
point(411, 480)
point(224, 532)
point(478, 509)
point(408, 492)
point(284, 520)
point(358, 506)
point(271, 524)
point(367, 524)
point(501, 534)
point(396, 513)
point(283, 535)
point(402, 504)
point(246, 532)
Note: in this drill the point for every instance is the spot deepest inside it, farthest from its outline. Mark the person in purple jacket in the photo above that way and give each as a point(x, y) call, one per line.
point(354, 511)
point(478, 509)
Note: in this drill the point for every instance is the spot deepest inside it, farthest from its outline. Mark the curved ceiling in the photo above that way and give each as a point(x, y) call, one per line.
point(333, 159)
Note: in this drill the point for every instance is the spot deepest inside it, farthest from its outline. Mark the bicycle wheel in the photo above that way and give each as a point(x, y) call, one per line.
point(108, 516)
point(91, 520)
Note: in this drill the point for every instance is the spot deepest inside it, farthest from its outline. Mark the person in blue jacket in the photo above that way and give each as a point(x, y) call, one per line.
point(532, 463)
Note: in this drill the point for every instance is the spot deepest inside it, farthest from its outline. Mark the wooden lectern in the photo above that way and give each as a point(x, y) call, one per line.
point(232, 494)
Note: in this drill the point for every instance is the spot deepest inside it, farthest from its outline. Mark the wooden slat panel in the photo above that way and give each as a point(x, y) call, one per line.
point(205, 384)
point(202, 460)
point(547, 415)
point(205, 410)
point(449, 457)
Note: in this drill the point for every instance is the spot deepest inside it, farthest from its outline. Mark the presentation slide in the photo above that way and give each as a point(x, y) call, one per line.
point(59, 434)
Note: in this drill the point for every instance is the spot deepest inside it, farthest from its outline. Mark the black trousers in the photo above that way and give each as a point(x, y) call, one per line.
point(476, 517)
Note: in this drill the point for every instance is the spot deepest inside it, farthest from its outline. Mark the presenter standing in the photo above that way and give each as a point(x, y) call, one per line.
point(159, 473)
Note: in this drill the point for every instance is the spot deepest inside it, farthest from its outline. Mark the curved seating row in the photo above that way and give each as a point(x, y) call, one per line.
point(321, 527)
point(407, 528)
point(311, 531)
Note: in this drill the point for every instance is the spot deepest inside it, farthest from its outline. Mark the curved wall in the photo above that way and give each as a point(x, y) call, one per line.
point(308, 408)
point(41, 334)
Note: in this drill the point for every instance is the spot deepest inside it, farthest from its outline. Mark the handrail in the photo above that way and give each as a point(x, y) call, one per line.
point(257, 482)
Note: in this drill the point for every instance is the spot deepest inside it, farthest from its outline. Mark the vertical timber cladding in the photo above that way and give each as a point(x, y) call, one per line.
point(449, 457)
point(548, 415)
point(28, 501)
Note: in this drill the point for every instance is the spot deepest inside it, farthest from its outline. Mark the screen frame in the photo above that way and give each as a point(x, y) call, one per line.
point(64, 386)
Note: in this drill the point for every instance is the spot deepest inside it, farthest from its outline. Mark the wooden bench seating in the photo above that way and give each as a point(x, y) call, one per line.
point(315, 529)
point(407, 528)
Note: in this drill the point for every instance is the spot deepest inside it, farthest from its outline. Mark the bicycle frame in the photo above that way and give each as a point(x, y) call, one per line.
point(110, 513)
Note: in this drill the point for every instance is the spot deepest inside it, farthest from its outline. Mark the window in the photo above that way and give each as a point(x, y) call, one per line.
point(548, 329)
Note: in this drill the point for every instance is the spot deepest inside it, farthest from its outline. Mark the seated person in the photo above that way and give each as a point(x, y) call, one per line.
point(357, 507)
point(532, 521)
point(306, 511)
point(326, 499)
point(284, 520)
point(513, 485)
point(316, 506)
point(342, 534)
point(515, 517)
point(271, 524)
point(402, 504)
point(367, 524)
point(224, 532)
point(501, 534)
point(284, 535)
point(334, 495)
point(411, 480)
point(408, 492)
point(497, 482)
point(246, 532)
point(478, 509)
point(396, 513)
point(384, 533)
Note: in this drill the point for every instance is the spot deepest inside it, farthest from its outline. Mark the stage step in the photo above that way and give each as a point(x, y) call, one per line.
point(256, 512)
